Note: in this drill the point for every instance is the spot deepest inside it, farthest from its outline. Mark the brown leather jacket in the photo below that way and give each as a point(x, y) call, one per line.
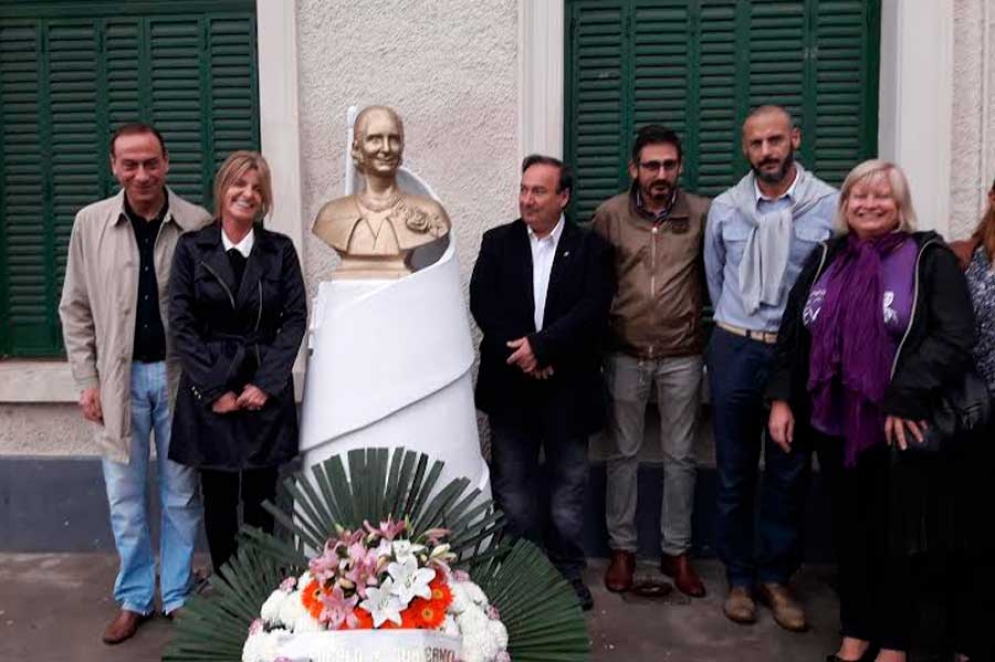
point(657, 308)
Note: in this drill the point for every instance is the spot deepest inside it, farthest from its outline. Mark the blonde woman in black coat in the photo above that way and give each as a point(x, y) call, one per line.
point(237, 315)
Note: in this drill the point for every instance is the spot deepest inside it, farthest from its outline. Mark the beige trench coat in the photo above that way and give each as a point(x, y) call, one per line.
point(98, 306)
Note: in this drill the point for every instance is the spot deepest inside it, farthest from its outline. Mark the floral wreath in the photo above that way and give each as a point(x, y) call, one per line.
point(434, 563)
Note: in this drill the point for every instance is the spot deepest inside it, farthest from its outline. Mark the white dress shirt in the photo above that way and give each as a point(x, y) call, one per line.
point(543, 252)
point(244, 247)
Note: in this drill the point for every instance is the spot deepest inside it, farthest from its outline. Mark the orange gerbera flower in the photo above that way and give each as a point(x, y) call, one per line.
point(364, 618)
point(441, 595)
point(311, 597)
point(429, 613)
point(409, 621)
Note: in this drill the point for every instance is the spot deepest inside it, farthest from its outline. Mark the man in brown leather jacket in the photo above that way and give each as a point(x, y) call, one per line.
point(657, 231)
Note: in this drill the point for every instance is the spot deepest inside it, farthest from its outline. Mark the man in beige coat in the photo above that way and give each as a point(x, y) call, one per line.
point(657, 231)
point(113, 313)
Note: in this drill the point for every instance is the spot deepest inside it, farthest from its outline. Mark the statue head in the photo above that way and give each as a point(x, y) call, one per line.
point(378, 141)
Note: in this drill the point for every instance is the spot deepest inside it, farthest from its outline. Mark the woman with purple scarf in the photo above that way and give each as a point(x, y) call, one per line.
point(878, 323)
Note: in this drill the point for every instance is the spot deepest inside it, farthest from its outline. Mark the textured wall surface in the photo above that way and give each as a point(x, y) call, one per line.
point(44, 429)
point(449, 67)
point(973, 147)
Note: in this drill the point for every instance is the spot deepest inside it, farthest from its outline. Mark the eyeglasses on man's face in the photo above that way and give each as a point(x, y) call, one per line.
point(669, 165)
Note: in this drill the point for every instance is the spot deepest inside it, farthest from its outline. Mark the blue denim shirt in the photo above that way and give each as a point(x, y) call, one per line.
point(725, 241)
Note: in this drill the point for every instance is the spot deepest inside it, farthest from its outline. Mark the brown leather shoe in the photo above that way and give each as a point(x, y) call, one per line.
point(685, 578)
point(124, 626)
point(787, 612)
point(739, 606)
point(618, 577)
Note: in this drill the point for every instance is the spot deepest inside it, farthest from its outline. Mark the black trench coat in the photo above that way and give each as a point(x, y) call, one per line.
point(226, 339)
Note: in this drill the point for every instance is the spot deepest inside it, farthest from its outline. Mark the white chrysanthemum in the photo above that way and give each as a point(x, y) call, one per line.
point(475, 593)
point(499, 633)
point(460, 600)
point(472, 622)
point(270, 611)
point(307, 623)
point(449, 626)
point(292, 610)
point(478, 647)
point(262, 646)
point(304, 579)
point(483, 639)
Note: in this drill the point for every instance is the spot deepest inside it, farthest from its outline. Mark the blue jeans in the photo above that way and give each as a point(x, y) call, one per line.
point(127, 495)
point(738, 369)
point(517, 484)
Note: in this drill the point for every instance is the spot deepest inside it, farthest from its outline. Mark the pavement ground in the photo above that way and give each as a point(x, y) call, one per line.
point(53, 608)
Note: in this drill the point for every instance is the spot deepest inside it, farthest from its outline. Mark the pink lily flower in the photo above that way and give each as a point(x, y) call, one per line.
point(338, 609)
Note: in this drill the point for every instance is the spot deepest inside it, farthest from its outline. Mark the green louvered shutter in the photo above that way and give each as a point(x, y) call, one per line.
point(69, 73)
point(597, 116)
point(699, 67)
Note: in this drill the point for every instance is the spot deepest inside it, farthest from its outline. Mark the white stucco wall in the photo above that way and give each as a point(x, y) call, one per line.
point(973, 139)
point(450, 68)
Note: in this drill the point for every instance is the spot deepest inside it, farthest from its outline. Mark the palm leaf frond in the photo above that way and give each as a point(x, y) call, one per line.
point(380, 483)
point(536, 604)
point(214, 629)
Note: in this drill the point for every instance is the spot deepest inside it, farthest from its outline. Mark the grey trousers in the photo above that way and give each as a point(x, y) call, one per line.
point(678, 389)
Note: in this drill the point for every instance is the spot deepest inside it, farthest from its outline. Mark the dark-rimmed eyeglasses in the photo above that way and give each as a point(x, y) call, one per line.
point(656, 166)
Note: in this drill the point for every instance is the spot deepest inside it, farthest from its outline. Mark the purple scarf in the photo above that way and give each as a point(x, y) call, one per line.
point(852, 351)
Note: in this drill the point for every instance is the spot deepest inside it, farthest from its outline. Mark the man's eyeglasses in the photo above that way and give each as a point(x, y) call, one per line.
point(656, 166)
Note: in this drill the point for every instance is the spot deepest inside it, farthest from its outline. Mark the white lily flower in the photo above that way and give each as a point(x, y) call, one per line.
point(410, 581)
point(405, 548)
point(440, 551)
point(382, 604)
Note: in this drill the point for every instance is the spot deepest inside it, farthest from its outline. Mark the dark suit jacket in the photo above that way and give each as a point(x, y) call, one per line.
point(581, 287)
point(227, 337)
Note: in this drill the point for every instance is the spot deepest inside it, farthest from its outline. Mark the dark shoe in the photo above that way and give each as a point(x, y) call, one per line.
point(202, 581)
point(618, 577)
point(869, 655)
point(787, 612)
point(685, 578)
point(124, 626)
point(176, 613)
point(584, 596)
point(739, 606)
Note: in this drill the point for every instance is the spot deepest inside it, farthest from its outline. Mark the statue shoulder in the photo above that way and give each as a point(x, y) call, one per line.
point(435, 214)
point(336, 220)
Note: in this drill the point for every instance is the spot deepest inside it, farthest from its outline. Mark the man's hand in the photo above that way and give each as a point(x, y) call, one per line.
point(253, 398)
point(226, 404)
point(894, 431)
point(522, 356)
point(781, 425)
point(89, 402)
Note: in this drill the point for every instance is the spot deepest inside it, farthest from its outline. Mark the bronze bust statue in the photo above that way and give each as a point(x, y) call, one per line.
point(376, 230)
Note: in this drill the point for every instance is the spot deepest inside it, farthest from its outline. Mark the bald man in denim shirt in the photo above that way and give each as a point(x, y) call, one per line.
point(759, 234)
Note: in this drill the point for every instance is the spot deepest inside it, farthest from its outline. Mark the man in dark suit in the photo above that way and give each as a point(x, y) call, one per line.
point(541, 291)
